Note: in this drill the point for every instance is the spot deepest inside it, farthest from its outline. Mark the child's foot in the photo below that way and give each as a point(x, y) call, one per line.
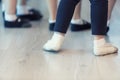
point(103, 48)
point(55, 43)
point(79, 25)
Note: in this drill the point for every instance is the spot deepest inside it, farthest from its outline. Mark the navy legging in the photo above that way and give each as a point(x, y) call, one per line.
point(99, 10)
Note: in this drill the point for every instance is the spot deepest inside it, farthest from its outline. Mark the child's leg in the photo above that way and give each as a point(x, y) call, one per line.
point(111, 4)
point(64, 15)
point(22, 7)
point(25, 12)
point(77, 24)
point(77, 12)
point(11, 8)
point(52, 8)
point(99, 10)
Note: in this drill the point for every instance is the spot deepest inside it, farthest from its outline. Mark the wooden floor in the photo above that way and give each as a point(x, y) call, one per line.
point(22, 57)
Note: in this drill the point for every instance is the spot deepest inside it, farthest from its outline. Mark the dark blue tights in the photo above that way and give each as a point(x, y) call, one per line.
point(99, 10)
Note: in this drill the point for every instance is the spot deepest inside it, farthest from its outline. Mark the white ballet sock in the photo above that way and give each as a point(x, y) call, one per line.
point(77, 21)
point(108, 23)
point(10, 17)
point(22, 9)
point(101, 47)
point(55, 43)
point(52, 21)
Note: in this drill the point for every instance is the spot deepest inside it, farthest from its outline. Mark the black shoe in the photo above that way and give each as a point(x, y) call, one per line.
point(107, 29)
point(78, 27)
point(18, 23)
point(33, 15)
point(51, 26)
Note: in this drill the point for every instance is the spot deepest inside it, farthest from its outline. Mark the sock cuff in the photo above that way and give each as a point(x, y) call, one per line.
point(99, 42)
point(10, 17)
point(52, 21)
point(77, 21)
point(57, 35)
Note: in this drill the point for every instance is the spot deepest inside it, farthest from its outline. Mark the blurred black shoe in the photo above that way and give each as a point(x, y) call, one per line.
point(79, 27)
point(18, 23)
point(33, 15)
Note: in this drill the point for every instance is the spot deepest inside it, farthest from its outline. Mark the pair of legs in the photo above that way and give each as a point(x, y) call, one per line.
point(65, 12)
point(19, 18)
point(53, 6)
point(77, 23)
